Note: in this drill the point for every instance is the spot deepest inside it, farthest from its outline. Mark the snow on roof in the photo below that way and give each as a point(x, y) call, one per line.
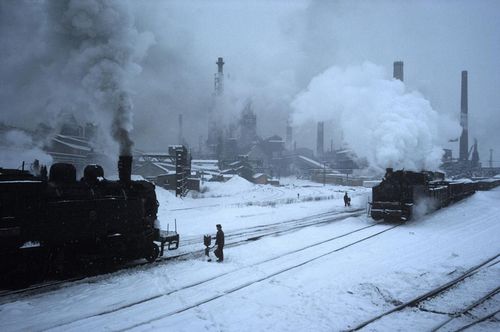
point(205, 161)
point(161, 166)
point(21, 181)
point(311, 161)
point(464, 180)
point(78, 139)
point(162, 154)
point(72, 145)
point(258, 175)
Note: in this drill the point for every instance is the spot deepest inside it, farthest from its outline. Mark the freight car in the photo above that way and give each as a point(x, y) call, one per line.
point(403, 193)
point(487, 183)
point(54, 225)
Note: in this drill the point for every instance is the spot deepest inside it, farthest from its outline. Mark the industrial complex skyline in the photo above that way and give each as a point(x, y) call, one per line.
point(273, 52)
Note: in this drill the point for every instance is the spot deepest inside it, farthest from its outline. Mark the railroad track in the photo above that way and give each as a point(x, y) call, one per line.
point(232, 281)
point(288, 225)
point(477, 303)
point(477, 321)
point(233, 239)
point(434, 292)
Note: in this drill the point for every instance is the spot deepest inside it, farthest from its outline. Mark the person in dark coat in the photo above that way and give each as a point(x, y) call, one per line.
point(219, 242)
point(347, 200)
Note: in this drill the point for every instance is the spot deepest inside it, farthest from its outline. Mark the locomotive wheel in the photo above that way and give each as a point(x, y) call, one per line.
point(153, 254)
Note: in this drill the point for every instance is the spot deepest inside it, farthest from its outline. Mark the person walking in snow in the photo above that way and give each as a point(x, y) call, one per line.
point(347, 200)
point(219, 242)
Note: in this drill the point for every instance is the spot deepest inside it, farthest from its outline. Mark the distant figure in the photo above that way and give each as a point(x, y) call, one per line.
point(298, 195)
point(219, 242)
point(347, 200)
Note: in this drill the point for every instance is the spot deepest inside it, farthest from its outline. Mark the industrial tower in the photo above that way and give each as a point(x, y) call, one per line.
point(464, 138)
point(214, 136)
point(219, 77)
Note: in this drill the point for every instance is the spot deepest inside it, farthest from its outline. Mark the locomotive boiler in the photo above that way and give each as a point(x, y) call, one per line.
point(402, 193)
point(53, 224)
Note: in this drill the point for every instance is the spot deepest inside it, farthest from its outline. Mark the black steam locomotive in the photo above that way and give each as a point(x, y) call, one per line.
point(56, 225)
point(401, 194)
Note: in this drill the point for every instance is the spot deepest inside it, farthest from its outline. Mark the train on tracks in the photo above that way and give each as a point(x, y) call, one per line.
point(53, 225)
point(402, 194)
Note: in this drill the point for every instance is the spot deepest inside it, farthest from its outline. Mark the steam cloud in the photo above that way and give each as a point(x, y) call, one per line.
point(380, 121)
point(103, 50)
point(16, 146)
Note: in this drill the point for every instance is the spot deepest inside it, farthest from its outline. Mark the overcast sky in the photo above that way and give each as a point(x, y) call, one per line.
point(272, 50)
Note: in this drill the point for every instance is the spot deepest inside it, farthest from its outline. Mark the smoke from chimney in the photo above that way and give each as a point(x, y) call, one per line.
point(99, 49)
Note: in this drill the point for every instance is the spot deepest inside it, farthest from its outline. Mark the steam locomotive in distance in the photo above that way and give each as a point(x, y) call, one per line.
point(401, 194)
point(55, 225)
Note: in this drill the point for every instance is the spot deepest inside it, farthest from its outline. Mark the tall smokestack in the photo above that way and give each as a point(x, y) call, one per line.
point(219, 77)
point(289, 137)
point(320, 140)
point(398, 71)
point(464, 138)
point(180, 138)
point(220, 64)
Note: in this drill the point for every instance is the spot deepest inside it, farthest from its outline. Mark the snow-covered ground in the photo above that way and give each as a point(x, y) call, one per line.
point(326, 277)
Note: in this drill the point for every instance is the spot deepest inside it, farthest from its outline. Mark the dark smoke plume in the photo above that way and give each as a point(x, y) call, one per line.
point(103, 49)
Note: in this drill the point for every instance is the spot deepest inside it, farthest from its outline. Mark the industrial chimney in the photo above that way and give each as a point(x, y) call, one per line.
point(180, 139)
point(219, 77)
point(398, 71)
point(289, 137)
point(320, 141)
point(464, 138)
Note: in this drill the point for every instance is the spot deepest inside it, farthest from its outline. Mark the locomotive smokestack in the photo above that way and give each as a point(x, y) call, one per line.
point(398, 71)
point(125, 168)
point(464, 138)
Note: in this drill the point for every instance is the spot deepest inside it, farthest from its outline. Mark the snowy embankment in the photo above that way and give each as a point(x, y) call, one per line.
point(320, 278)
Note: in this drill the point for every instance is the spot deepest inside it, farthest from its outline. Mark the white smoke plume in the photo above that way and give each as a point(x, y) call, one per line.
point(99, 51)
point(380, 121)
point(17, 146)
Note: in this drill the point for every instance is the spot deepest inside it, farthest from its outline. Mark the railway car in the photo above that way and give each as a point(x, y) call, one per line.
point(54, 225)
point(487, 184)
point(402, 192)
